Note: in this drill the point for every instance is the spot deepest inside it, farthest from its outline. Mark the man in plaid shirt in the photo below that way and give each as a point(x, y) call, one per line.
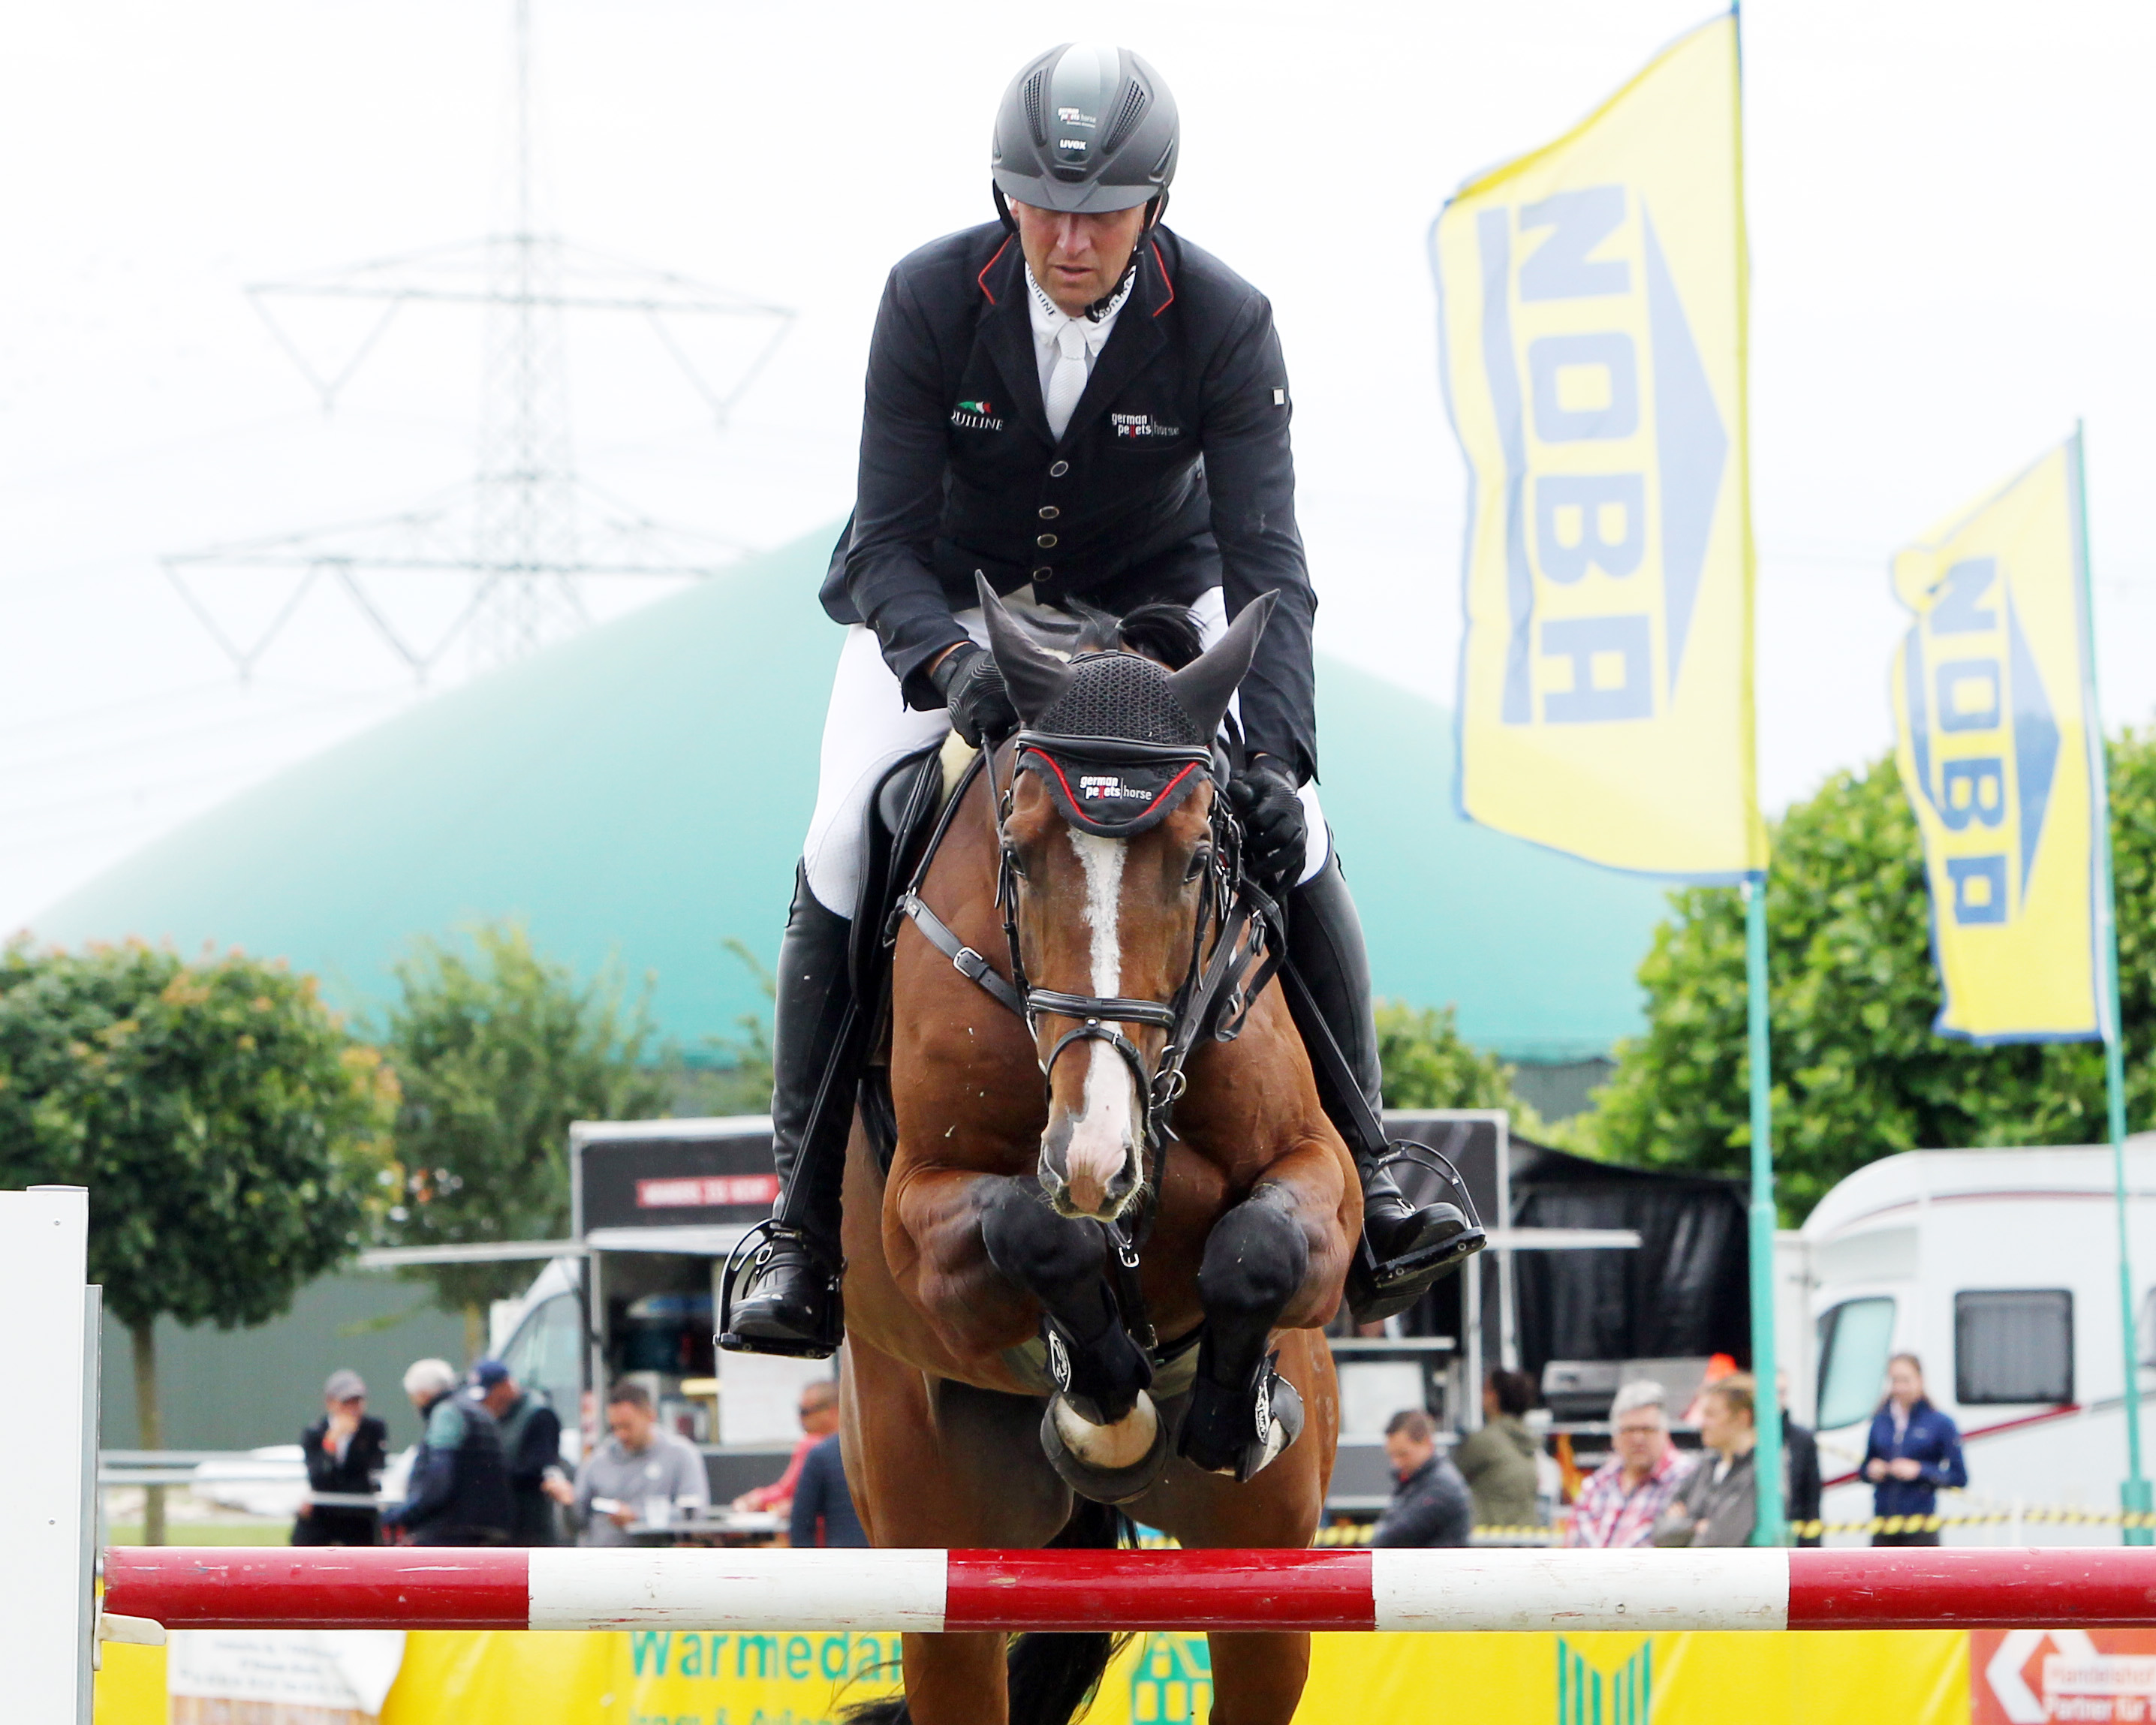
point(1619, 1503)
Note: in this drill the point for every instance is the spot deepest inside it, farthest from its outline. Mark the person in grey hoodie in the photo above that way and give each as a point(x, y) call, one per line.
point(1719, 1502)
point(1498, 1462)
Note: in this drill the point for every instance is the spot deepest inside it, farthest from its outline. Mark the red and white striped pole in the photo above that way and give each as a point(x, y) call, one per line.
point(417, 1587)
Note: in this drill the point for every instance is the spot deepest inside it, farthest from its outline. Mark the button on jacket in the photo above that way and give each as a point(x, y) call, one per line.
point(1174, 475)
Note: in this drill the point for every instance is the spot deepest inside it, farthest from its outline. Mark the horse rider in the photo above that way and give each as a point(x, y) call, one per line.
point(1076, 402)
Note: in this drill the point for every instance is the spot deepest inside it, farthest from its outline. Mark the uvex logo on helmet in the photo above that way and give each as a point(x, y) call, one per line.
point(1085, 128)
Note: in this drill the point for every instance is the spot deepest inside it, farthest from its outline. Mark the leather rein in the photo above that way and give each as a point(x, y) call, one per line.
point(1220, 983)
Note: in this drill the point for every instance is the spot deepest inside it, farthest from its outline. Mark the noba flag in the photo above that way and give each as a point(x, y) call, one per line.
point(1593, 327)
point(2000, 752)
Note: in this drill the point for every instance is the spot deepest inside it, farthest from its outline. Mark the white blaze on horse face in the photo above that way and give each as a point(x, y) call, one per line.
point(1103, 1134)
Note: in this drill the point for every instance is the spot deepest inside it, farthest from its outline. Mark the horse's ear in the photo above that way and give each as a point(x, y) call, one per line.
point(1034, 675)
point(1205, 685)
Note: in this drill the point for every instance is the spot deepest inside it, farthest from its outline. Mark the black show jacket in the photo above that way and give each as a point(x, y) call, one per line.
point(1174, 475)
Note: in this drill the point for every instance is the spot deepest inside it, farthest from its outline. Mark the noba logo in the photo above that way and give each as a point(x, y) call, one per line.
point(1986, 738)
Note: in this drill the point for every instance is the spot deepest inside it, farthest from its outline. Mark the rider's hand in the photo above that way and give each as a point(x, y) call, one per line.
point(972, 683)
point(1275, 829)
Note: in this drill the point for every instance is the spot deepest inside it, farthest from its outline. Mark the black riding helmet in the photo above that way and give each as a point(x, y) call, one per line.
point(1085, 128)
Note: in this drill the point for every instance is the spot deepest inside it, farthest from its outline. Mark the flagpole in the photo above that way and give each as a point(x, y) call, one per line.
point(1768, 1526)
point(2133, 1493)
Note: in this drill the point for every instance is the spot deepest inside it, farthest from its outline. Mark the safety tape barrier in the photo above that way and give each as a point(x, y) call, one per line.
point(1355, 1533)
point(927, 1591)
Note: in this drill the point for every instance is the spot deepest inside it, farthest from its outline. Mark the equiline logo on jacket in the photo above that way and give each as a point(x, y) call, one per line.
point(976, 416)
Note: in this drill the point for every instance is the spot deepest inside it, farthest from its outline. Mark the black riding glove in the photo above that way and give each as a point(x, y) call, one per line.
point(1275, 829)
point(971, 685)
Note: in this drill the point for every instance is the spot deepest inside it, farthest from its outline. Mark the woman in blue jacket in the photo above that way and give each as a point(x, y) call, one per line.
point(1914, 1449)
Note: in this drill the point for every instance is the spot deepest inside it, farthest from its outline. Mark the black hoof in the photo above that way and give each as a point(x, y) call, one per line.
point(1239, 1432)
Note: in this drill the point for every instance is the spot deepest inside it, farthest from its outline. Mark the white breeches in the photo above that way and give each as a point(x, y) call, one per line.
point(869, 728)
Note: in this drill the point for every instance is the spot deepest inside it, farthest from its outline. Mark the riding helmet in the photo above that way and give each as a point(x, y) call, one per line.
point(1086, 127)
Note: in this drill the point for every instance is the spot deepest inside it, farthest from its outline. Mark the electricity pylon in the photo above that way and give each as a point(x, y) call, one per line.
point(524, 530)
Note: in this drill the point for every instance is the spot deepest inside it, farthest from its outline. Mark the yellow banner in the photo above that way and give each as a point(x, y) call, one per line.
point(2001, 752)
point(1593, 327)
point(662, 1677)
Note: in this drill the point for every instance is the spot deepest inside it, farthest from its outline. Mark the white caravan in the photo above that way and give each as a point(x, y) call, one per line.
point(1999, 1270)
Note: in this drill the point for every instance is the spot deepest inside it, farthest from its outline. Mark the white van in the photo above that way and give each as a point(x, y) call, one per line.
point(1999, 1270)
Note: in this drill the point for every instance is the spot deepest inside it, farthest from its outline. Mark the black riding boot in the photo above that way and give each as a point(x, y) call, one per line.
point(790, 1304)
point(1404, 1248)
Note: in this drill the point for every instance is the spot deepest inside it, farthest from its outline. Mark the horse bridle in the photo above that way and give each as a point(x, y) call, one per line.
point(1220, 983)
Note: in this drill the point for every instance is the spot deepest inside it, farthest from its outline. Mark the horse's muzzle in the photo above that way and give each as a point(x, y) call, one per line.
point(1089, 1169)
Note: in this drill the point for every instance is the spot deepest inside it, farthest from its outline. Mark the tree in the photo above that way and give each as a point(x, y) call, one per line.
point(496, 1049)
point(1426, 1065)
point(233, 1138)
point(1859, 1072)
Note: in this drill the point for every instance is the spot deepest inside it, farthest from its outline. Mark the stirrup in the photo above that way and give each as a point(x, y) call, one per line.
point(1379, 1291)
point(748, 1260)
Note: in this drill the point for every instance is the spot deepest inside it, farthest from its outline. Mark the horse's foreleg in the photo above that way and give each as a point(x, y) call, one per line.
point(1063, 1264)
point(1257, 1680)
point(1276, 1257)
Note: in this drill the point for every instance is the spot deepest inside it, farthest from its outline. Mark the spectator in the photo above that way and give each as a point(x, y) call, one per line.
point(1801, 1468)
point(1430, 1505)
point(819, 1418)
point(822, 1512)
point(639, 1466)
point(1498, 1462)
point(1914, 1449)
point(458, 1493)
point(530, 1446)
point(1622, 1499)
point(1718, 1504)
point(347, 1448)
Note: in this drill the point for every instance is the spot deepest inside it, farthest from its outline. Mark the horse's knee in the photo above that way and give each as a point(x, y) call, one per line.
point(1255, 1259)
point(1033, 1247)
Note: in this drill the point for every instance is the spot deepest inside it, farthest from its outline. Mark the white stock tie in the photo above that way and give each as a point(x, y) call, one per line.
point(1066, 382)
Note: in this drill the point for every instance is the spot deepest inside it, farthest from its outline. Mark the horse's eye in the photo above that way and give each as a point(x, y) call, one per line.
point(1200, 861)
point(1013, 862)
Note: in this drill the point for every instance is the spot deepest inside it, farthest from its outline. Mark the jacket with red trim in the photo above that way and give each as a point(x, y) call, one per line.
point(1173, 476)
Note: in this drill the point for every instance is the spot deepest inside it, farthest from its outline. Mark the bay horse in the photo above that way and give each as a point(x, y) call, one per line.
point(1060, 1297)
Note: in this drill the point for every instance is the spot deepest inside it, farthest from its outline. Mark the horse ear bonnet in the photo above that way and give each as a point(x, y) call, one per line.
point(1118, 740)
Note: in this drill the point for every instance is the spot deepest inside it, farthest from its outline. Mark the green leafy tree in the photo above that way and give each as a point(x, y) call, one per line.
point(496, 1049)
point(1859, 1072)
point(1428, 1065)
point(231, 1136)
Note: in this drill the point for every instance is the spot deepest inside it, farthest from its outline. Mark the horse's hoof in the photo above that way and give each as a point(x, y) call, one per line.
point(1239, 1435)
point(1105, 1478)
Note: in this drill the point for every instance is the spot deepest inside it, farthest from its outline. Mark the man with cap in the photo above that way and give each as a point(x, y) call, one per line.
point(530, 1445)
point(1070, 402)
point(346, 1450)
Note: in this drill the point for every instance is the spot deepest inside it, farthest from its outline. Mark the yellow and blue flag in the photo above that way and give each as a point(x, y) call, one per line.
point(1593, 328)
point(2000, 749)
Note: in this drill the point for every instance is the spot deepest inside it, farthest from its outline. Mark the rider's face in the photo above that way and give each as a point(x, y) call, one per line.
point(1078, 259)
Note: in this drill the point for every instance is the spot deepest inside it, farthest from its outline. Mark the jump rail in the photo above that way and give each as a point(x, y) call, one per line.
point(441, 1588)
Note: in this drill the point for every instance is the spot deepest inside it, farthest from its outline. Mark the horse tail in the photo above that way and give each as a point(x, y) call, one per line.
point(1053, 1677)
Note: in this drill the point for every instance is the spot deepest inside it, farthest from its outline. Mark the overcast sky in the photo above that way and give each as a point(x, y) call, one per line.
point(1952, 260)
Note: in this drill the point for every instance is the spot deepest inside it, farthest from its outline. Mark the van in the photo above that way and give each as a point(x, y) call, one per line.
point(1999, 1270)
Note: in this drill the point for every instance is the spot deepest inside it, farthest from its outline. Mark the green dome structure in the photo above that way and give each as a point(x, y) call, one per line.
point(640, 792)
